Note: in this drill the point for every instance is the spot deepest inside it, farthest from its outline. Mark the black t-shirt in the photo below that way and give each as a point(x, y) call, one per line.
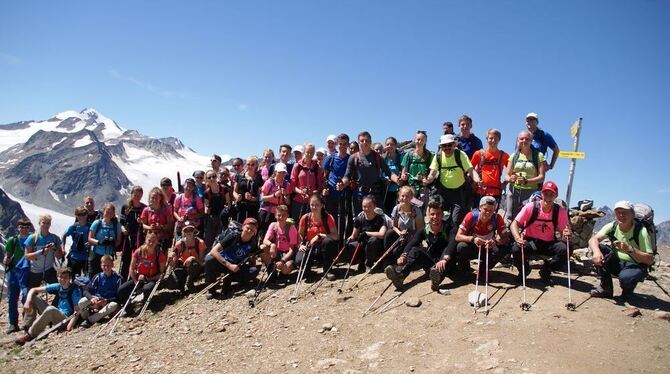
point(373, 225)
point(130, 218)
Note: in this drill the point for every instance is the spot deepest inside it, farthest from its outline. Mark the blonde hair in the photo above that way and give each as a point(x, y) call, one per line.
point(494, 132)
point(409, 190)
point(44, 217)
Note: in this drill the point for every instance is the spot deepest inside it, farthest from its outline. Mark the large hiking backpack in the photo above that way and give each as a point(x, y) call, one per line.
point(644, 217)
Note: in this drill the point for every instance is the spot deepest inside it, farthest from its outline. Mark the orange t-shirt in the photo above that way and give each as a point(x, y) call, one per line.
point(315, 228)
point(185, 251)
point(491, 170)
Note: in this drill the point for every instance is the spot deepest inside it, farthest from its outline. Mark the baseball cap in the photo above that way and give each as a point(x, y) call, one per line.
point(250, 221)
point(532, 115)
point(551, 186)
point(321, 150)
point(280, 167)
point(446, 139)
point(331, 138)
point(299, 148)
point(623, 204)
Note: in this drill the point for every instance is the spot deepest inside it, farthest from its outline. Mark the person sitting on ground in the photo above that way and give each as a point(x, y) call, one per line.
point(542, 140)
point(14, 251)
point(541, 223)
point(216, 199)
point(306, 178)
point(187, 258)
point(275, 192)
point(525, 173)
point(91, 213)
point(42, 248)
point(158, 217)
point(482, 230)
point(280, 243)
point(627, 257)
point(489, 164)
point(77, 256)
point(247, 191)
point(104, 236)
point(318, 230)
point(434, 259)
point(407, 220)
point(131, 227)
point(169, 192)
point(416, 166)
point(188, 208)
point(146, 267)
point(230, 255)
point(68, 296)
point(369, 230)
point(100, 294)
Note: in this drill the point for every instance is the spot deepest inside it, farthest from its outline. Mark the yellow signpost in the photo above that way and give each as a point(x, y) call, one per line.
point(566, 154)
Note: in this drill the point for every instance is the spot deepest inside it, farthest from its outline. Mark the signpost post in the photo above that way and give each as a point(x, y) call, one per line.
point(575, 131)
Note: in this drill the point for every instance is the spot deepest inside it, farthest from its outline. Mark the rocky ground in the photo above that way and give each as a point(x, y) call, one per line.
point(327, 332)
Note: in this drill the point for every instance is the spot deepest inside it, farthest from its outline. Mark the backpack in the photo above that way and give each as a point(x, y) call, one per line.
point(644, 217)
point(157, 257)
point(70, 291)
point(536, 211)
point(475, 219)
point(378, 162)
point(482, 162)
point(287, 229)
point(424, 160)
point(457, 157)
point(303, 232)
point(273, 183)
point(535, 155)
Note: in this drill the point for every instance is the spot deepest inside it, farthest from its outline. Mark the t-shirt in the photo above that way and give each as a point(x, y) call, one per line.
point(482, 229)
point(102, 231)
point(406, 220)
point(416, 166)
point(542, 228)
point(63, 304)
point(395, 166)
point(234, 250)
point(146, 264)
point(469, 145)
point(45, 261)
point(188, 207)
point(130, 219)
point(627, 237)
point(184, 252)
point(373, 225)
point(306, 177)
point(270, 187)
point(543, 140)
point(79, 234)
point(316, 228)
point(366, 170)
point(161, 216)
point(336, 167)
point(524, 168)
point(104, 286)
point(277, 234)
point(451, 176)
point(491, 170)
point(16, 247)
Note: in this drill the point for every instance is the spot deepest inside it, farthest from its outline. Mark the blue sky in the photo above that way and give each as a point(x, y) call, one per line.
point(236, 76)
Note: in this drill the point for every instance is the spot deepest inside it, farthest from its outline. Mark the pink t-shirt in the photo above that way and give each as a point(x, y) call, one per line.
point(277, 235)
point(269, 188)
point(184, 206)
point(542, 228)
point(302, 176)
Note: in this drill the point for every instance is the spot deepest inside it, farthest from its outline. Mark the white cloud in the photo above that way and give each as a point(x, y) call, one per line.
point(149, 87)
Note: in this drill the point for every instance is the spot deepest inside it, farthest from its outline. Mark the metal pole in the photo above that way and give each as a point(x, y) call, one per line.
point(573, 164)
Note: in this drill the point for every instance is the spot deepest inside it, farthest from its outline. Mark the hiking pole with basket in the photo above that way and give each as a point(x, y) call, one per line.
point(4, 284)
point(475, 296)
point(353, 258)
point(570, 305)
point(323, 277)
point(301, 274)
point(377, 299)
point(153, 291)
point(486, 289)
point(261, 285)
point(386, 253)
point(115, 320)
point(524, 305)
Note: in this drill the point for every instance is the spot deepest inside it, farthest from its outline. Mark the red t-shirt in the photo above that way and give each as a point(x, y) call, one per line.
point(146, 265)
point(316, 228)
point(482, 229)
point(491, 171)
point(185, 251)
point(161, 217)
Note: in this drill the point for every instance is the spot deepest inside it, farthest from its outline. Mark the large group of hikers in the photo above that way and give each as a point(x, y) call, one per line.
point(368, 205)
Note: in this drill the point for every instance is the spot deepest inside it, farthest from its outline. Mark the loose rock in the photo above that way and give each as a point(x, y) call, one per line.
point(662, 315)
point(413, 302)
point(632, 312)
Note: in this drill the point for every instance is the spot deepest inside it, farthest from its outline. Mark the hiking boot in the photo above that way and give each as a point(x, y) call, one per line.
point(545, 275)
point(436, 279)
point(330, 276)
point(12, 328)
point(23, 339)
point(395, 277)
point(625, 294)
point(600, 292)
point(86, 324)
point(211, 295)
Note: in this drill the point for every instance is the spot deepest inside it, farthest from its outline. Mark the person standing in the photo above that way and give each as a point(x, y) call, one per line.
point(14, 250)
point(542, 140)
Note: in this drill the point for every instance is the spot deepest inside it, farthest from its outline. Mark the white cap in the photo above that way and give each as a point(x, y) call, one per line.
point(280, 167)
point(446, 139)
point(487, 200)
point(332, 138)
point(623, 204)
point(532, 115)
point(321, 150)
point(299, 148)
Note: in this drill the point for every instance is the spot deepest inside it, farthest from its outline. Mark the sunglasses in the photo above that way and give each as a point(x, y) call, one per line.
point(212, 177)
point(421, 132)
point(447, 146)
point(25, 227)
point(237, 165)
point(166, 185)
point(82, 215)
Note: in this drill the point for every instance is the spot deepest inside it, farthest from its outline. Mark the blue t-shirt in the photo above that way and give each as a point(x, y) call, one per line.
point(469, 145)
point(337, 167)
point(79, 234)
point(104, 231)
point(543, 140)
point(104, 286)
point(46, 261)
point(395, 167)
point(63, 304)
point(235, 251)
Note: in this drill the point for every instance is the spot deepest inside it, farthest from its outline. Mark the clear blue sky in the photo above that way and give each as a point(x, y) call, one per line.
point(236, 76)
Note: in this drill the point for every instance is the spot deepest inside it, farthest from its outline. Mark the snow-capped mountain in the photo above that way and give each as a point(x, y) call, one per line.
point(55, 163)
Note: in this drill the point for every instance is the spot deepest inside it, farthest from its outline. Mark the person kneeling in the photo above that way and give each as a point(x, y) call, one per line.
point(187, 258)
point(100, 296)
point(280, 243)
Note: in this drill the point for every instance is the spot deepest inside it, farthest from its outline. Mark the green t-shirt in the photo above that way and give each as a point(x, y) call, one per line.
point(627, 237)
point(451, 176)
point(415, 166)
point(524, 168)
point(15, 248)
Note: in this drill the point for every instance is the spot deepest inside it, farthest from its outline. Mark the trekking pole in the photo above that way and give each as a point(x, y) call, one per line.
point(323, 277)
point(389, 303)
point(301, 274)
point(353, 258)
point(115, 320)
point(153, 291)
point(261, 286)
point(479, 257)
point(377, 299)
point(4, 284)
point(524, 305)
point(390, 248)
point(486, 289)
point(570, 305)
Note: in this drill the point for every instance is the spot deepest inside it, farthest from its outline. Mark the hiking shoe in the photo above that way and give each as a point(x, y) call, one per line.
point(86, 324)
point(23, 339)
point(435, 279)
point(211, 295)
point(12, 328)
point(395, 277)
point(545, 275)
point(601, 293)
point(330, 276)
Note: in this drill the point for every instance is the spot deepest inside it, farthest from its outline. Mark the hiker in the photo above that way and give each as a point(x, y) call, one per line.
point(416, 166)
point(435, 259)
point(131, 226)
point(525, 174)
point(541, 222)
point(467, 141)
point(392, 157)
point(215, 164)
point(320, 156)
point(354, 147)
point(379, 148)
point(216, 199)
point(68, 296)
point(318, 230)
point(247, 191)
point(200, 185)
point(489, 164)
point(365, 169)
point(238, 168)
point(100, 296)
point(369, 230)
point(275, 192)
point(628, 256)
point(407, 220)
point(267, 164)
point(338, 196)
point(91, 213)
point(451, 166)
point(168, 191)
point(331, 144)
point(158, 217)
point(146, 267)
point(542, 140)
point(77, 256)
point(227, 211)
point(448, 128)
point(482, 230)
point(280, 243)
point(285, 158)
point(105, 236)
point(230, 255)
point(188, 208)
point(42, 248)
point(306, 178)
point(187, 258)
point(14, 251)
point(298, 151)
